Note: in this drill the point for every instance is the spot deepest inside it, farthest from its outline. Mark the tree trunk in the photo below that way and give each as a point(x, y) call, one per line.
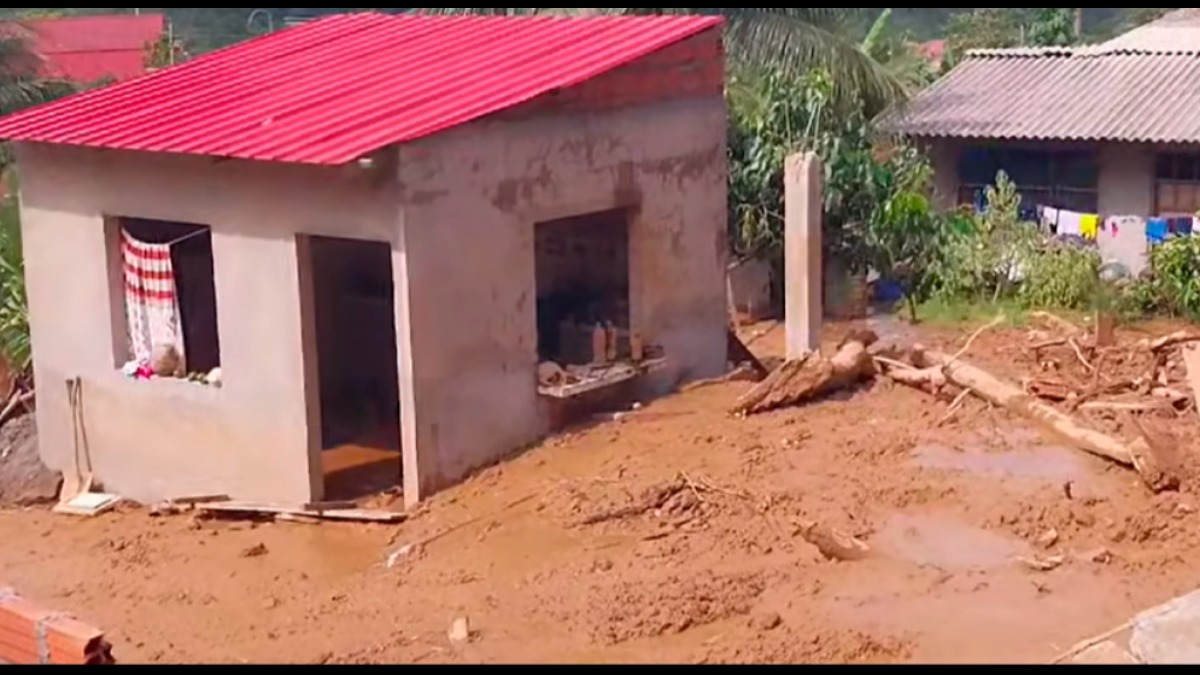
point(803, 380)
point(1141, 455)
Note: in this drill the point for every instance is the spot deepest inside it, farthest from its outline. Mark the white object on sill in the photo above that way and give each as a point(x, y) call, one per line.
point(603, 378)
point(215, 379)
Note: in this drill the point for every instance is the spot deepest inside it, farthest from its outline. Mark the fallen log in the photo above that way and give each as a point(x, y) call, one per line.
point(1140, 455)
point(800, 381)
point(1169, 341)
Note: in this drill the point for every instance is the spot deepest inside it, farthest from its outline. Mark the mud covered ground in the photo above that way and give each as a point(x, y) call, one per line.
point(671, 535)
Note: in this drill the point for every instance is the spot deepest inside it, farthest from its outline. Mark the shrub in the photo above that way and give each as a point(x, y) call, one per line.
point(1062, 275)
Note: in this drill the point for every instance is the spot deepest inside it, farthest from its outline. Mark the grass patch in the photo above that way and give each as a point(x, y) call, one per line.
point(940, 313)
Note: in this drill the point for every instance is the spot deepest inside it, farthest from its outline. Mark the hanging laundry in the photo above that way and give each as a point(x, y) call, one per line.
point(1070, 224)
point(1158, 230)
point(1181, 226)
point(1124, 242)
point(1050, 218)
point(1089, 226)
point(151, 300)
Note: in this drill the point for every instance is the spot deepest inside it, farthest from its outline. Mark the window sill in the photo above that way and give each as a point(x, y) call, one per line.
point(612, 376)
point(167, 386)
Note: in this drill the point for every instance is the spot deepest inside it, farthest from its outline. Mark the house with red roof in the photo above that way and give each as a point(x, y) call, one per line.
point(87, 49)
point(372, 251)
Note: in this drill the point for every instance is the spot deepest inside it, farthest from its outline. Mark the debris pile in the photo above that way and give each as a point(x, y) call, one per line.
point(1078, 386)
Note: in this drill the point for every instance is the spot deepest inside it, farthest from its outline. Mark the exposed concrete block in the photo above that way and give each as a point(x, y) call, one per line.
point(1105, 654)
point(1169, 635)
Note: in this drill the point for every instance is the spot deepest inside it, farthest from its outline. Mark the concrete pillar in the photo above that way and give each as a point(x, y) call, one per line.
point(804, 204)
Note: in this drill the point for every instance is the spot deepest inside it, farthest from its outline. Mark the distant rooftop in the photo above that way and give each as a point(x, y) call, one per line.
point(1143, 86)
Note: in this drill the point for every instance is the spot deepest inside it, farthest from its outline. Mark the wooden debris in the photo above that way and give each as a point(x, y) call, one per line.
point(1167, 342)
point(1050, 390)
point(1124, 407)
point(739, 353)
point(196, 501)
point(1106, 330)
point(800, 381)
point(834, 545)
point(1006, 395)
point(1155, 456)
point(346, 515)
point(1039, 564)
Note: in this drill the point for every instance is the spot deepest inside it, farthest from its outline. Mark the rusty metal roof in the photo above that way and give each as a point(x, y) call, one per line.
point(334, 90)
point(1143, 86)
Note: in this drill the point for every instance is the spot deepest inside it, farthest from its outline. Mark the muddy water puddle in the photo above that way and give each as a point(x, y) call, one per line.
point(1017, 454)
point(945, 543)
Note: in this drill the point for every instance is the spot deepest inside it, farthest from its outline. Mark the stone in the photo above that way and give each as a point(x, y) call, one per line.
point(766, 622)
point(256, 551)
point(460, 631)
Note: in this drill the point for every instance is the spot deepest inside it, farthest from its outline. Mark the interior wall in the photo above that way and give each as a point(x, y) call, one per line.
point(150, 441)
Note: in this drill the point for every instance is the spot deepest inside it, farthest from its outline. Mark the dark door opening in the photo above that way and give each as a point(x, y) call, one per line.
point(355, 322)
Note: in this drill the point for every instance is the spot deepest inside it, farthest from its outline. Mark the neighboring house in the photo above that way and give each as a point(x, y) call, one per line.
point(376, 230)
point(1112, 128)
point(88, 49)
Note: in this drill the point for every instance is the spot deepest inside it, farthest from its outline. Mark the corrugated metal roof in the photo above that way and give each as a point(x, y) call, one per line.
point(88, 48)
point(1122, 90)
point(337, 89)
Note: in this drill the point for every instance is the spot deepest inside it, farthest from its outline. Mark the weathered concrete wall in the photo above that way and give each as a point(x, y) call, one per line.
point(471, 199)
point(1126, 185)
point(459, 211)
point(148, 440)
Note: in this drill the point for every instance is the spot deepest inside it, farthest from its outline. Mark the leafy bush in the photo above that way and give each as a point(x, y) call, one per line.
point(985, 256)
point(1063, 276)
point(14, 314)
point(1173, 286)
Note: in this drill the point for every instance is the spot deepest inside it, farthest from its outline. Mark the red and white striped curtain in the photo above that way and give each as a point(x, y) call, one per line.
point(151, 300)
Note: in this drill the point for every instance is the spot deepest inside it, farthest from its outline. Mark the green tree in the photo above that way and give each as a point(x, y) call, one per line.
point(798, 41)
point(898, 54)
point(1052, 27)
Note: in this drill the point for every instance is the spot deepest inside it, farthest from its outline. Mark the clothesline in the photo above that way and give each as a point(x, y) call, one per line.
point(185, 238)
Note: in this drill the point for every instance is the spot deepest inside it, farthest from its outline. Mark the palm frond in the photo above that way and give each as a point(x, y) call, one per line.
point(781, 40)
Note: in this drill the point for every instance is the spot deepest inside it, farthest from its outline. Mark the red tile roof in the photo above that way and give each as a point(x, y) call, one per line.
point(89, 48)
point(337, 89)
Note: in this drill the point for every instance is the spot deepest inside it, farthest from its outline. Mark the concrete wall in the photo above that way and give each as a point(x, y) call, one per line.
point(459, 211)
point(473, 196)
point(1126, 175)
point(149, 440)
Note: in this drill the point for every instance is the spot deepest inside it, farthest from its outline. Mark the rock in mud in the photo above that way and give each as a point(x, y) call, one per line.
point(460, 631)
point(24, 480)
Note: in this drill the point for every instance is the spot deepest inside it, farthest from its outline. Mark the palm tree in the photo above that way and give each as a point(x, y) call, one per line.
point(799, 40)
point(20, 83)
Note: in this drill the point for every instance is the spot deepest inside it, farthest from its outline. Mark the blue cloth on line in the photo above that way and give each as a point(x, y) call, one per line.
point(1158, 230)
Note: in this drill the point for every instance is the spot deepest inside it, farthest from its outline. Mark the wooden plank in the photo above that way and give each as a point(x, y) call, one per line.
point(195, 501)
point(346, 515)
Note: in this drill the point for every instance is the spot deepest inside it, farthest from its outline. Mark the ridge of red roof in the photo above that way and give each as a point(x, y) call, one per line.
point(334, 90)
